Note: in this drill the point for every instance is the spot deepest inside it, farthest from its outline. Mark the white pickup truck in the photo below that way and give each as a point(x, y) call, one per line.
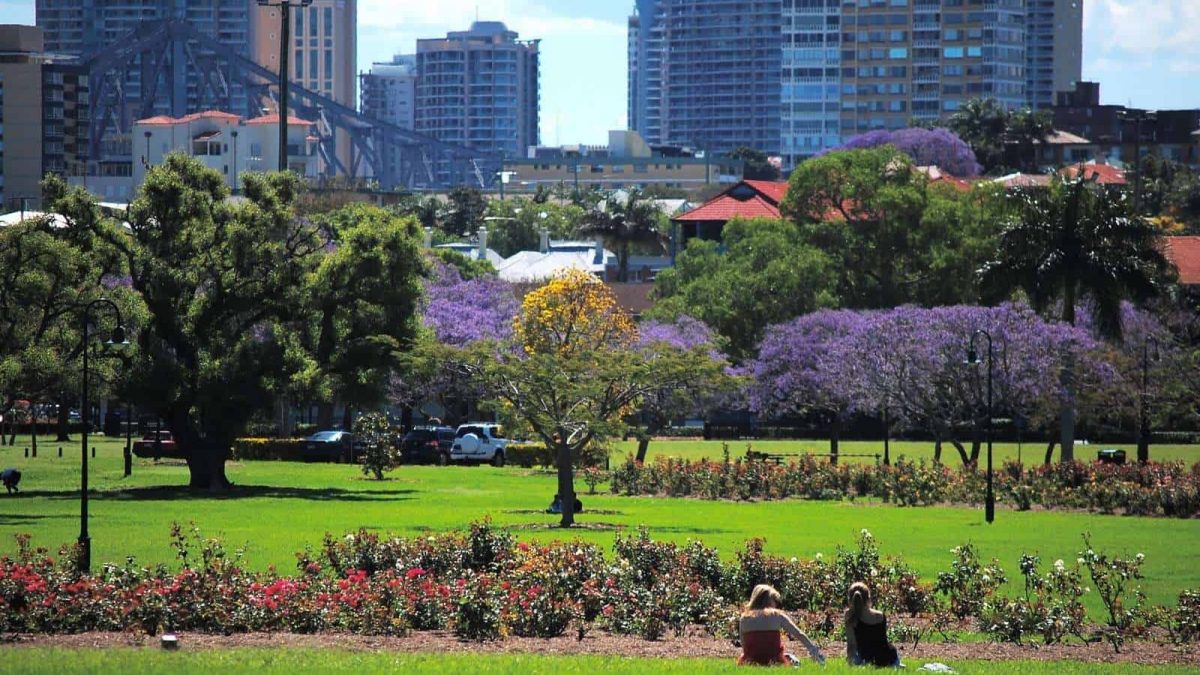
point(479, 442)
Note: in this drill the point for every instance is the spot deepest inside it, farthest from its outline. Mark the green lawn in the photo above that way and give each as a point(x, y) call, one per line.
point(278, 508)
point(58, 661)
point(1029, 453)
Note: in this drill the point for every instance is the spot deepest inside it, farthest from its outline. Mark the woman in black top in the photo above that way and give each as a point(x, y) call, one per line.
point(866, 631)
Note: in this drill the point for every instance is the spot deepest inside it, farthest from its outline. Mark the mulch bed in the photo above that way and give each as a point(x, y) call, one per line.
point(695, 643)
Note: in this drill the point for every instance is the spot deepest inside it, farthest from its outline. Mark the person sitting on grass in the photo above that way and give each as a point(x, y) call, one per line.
point(866, 631)
point(11, 478)
point(760, 625)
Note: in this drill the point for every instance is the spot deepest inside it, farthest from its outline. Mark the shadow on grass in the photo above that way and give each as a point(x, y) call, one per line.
point(184, 493)
point(14, 519)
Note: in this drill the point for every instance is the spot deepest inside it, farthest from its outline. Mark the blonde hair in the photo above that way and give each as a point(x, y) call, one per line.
point(858, 598)
point(761, 596)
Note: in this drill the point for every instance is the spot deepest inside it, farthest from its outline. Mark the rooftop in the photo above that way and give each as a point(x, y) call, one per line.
point(1184, 253)
point(747, 199)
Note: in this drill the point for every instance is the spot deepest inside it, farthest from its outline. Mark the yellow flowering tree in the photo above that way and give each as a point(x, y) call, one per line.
point(573, 372)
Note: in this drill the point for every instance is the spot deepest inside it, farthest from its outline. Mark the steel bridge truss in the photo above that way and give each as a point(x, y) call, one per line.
point(180, 70)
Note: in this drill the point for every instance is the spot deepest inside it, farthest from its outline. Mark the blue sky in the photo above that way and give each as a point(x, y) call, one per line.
point(1144, 52)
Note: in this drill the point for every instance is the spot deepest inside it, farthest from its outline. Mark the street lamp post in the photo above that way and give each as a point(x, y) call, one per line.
point(1137, 117)
point(118, 338)
point(973, 359)
point(234, 133)
point(1143, 450)
point(285, 38)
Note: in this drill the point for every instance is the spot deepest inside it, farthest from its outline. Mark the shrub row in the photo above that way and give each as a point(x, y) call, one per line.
point(281, 449)
point(483, 584)
point(1153, 489)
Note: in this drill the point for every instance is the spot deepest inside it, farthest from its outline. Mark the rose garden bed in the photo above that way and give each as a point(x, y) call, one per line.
point(484, 586)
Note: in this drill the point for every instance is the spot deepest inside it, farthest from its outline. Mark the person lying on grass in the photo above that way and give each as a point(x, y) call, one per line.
point(760, 625)
point(866, 631)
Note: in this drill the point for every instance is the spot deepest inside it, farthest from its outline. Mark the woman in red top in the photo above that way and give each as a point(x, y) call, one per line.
point(760, 626)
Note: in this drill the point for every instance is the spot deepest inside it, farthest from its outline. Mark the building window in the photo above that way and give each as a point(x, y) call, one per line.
point(329, 63)
point(328, 21)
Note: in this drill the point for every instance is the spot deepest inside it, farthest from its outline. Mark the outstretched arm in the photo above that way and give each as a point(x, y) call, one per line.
point(795, 633)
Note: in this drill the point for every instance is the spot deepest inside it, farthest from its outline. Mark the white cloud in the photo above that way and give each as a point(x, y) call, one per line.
point(1144, 33)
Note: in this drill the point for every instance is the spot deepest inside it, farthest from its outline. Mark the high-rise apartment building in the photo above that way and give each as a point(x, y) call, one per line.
point(389, 91)
point(83, 27)
point(479, 88)
point(43, 115)
point(389, 94)
point(837, 68)
point(706, 73)
point(323, 55)
point(1053, 49)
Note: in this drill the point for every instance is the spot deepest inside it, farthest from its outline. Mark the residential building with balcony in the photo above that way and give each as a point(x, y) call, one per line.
point(479, 88)
point(226, 143)
point(43, 116)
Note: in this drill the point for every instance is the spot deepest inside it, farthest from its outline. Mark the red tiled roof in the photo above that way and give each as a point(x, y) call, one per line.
point(205, 115)
point(1104, 174)
point(1184, 253)
point(724, 208)
point(762, 203)
point(772, 189)
point(274, 119)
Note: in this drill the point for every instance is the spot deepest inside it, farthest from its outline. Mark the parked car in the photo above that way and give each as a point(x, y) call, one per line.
point(156, 445)
point(330, 446)
point(425, 444)
point(479, 442)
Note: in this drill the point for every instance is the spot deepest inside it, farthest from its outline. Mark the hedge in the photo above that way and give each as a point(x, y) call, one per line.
point(283, 449)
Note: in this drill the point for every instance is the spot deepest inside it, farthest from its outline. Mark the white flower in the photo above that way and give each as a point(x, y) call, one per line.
point(795, 559)
point(1140, 557)
point(1079, 560)
point(986, 579)
point(1059, 565)
point(820, 557)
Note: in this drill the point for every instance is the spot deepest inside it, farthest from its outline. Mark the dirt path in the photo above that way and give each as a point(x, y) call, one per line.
point(694, 644)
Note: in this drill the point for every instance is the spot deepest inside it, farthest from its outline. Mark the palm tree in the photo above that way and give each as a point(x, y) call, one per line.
point(622, 223)
point(982, 123)
point(1071, 241)
point(1027, 129)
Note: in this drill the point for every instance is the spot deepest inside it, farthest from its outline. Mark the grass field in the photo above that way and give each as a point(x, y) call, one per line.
point(1029, 453)
point(59, 661)
point(278, 508)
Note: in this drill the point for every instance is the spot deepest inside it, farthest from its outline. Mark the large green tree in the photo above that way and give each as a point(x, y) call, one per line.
point(763, 273)
point(361, 306)
point(1076, 240)
point(892, 236)
point(215, 278)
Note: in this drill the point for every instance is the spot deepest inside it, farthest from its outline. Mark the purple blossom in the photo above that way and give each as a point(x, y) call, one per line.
point(927, 147)
point(684, 333)
point(462, 312)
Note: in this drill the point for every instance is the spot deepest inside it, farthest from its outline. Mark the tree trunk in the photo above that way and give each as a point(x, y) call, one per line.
point(835, 436)
point(937, 449)
point(205, 459)
point(64, 420)
point(33, 427)
point(976, 443)
point(566, 484)
point(962, 452)
point(1050, 450)
point(1068, 411)
point(1068, 380)
point(643, 445)
point(347, 418)
point(406, 418)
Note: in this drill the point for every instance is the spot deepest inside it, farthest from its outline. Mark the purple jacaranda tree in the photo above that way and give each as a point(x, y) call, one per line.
point(461, 312)
point(927, 147)
point(457, 313)
point(911, 363)
point(686, 338)
point(802, 369)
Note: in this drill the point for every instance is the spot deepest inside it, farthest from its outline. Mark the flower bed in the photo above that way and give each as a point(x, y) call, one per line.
point(1152, 489)
point(485, 585)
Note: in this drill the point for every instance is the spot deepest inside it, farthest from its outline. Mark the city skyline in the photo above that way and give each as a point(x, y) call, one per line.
point(1144, 52)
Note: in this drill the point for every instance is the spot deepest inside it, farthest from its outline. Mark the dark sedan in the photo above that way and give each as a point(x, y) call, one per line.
point(330, 446)
point(427, 444)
